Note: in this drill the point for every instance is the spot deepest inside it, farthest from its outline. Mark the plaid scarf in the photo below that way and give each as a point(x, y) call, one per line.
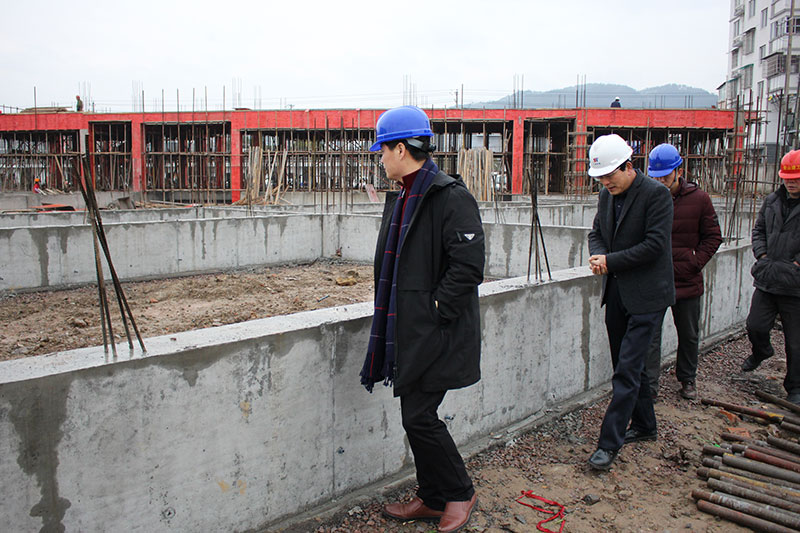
point(379, 363)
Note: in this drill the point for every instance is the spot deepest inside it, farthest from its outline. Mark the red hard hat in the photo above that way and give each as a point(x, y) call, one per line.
point(790, 166)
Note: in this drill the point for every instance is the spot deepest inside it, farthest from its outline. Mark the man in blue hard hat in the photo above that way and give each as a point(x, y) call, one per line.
point(630, 247)
point(696, 236)
point(425, 337)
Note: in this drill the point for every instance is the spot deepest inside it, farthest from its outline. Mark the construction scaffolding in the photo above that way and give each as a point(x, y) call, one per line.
point(188, 161)
point(50, 156)
point(111, 155)
point(205, 157)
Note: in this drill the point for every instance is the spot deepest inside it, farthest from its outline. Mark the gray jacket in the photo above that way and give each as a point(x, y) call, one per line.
point(778, 237)
point(639, 250)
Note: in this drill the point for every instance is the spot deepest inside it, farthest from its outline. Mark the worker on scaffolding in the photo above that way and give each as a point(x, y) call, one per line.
point(696, 236)
point(629, 245)
point(426, 336)
point(37, 186)
point(78, 103)
point(776, 276)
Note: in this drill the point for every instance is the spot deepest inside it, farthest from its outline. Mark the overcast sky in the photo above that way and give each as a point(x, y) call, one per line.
point(352, 54)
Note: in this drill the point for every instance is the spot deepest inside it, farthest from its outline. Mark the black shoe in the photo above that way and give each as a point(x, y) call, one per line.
point(602, 459)
point(750, 364)
point(794, 397)
point(634, 435)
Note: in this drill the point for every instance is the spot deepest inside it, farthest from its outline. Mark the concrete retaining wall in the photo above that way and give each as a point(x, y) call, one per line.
point(37, 256)
point(236, 427)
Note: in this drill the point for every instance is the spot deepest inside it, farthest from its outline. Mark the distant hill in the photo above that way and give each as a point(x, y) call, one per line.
point(602, 94)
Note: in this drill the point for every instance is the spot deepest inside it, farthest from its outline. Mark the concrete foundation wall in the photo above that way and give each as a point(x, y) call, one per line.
point(236, 427)
point(37, 256)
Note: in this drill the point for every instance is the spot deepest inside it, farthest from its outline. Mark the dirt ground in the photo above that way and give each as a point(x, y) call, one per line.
point(648, 488)
point(36, 323)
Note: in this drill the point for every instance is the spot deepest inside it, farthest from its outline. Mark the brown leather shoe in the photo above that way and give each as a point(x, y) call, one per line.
point(688, 390)
point(413, 510)
point(456, 515)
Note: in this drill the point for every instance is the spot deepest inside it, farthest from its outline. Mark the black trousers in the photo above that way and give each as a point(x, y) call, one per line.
point(629, 336)
point(764, 307)
point(441, 474)
point(686, 316)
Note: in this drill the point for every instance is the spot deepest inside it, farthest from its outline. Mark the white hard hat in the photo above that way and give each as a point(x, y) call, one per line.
point(607, 153)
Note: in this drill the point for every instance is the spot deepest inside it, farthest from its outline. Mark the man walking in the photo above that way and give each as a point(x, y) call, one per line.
point(426, 335)
point(776, 275)
point(696, 236)
point(630, 247)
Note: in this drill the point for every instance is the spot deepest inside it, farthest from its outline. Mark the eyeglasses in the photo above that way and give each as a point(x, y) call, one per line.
point(604, 177)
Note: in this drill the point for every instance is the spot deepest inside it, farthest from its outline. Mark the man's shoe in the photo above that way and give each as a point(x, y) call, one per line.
point(688, 390)
point(602, 459)
point(456, 515)
point(413, 510)
point(794, 397)
point(634, 435)
point(750, 364)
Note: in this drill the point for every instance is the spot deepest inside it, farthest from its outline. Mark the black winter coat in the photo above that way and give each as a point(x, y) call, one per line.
point(638, 251)
point(440, 261)
point(696, 236)
point(778, 237)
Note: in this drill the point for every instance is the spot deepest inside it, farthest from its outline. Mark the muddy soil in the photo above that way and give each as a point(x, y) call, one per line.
point(37, 323)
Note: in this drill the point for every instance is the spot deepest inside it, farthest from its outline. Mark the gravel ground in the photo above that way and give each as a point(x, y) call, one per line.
point(648, 488)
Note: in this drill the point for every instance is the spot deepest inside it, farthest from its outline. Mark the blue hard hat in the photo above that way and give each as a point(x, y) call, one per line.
point(664, 158)
point(401, 123)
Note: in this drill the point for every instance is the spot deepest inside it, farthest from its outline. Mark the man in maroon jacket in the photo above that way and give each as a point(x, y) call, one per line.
point(695, 238)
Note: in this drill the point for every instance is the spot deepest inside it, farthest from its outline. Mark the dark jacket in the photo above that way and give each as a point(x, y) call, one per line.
point(441, 260)
point(776, 233)
point(638, 252)
point(695, 238)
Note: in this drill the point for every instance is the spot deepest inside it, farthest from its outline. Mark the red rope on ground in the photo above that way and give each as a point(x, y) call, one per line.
point(559, 514)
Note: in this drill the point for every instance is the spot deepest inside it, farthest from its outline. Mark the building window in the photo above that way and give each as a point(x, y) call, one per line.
point(735, 58)
point(761, 88)
point(747, 77)
point(778, 29)
point(796, 26)
point(762, 51)
point(764, 17)
point(749, 41)
point(736, 28)
point(751, 8)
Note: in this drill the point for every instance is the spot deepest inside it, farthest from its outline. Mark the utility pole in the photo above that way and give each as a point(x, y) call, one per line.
point(787, 69)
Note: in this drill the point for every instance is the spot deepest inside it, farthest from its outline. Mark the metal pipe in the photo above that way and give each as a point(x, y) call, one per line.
point(784, 444)
point(790, 426)
point(778, 401)
point(772, 452)
point(761, 468)
point(753, 495)
point(765, 512)
point(717, 464)
point(758, 413)
point(742, 519)
point(772, 489)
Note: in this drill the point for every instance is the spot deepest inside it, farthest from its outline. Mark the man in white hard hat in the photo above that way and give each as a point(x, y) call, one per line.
point(630, 246)
point(616, 102)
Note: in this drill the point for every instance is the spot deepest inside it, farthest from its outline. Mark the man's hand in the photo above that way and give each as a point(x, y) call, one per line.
point(598, 264)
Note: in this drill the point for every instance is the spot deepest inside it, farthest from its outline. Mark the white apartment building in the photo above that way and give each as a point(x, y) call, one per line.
point(759, 39)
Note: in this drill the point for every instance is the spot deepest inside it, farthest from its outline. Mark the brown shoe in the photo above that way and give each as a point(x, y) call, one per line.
point(456, 515)
point(688, 390)
point(413, 510)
